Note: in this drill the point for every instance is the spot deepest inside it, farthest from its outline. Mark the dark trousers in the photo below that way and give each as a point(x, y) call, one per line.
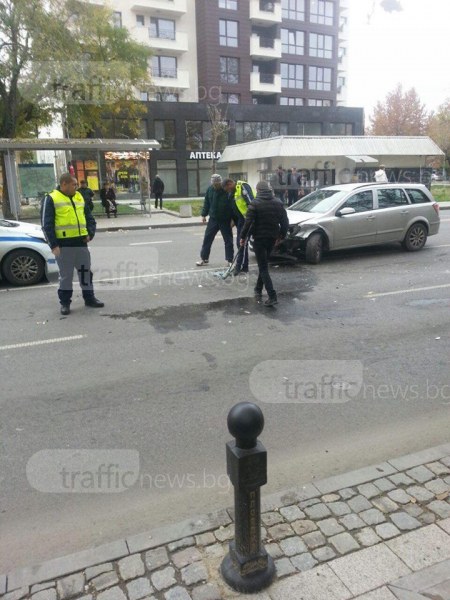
point(242, 258)
point(158, 197)
point(212, 229)
point(263, 248)
point(79, 258)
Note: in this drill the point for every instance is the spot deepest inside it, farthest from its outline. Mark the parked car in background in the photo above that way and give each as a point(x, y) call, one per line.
point(25, 257)
point(360, 214)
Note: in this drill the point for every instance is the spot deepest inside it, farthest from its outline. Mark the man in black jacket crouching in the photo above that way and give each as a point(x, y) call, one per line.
point(268, 222)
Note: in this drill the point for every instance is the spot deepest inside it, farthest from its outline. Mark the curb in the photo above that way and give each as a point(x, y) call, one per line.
point(72, 563)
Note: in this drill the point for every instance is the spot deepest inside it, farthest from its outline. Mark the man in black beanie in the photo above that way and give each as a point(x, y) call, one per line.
point(268, 221)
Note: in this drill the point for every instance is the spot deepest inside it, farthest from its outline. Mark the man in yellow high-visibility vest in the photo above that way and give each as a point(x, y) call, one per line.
point(68, 226)
point(241, 194)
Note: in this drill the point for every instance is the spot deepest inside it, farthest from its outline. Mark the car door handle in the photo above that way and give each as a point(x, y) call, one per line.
point(370, 218)
point(405, 212)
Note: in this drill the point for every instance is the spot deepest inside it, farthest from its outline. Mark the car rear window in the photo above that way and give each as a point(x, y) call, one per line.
point(417, 196)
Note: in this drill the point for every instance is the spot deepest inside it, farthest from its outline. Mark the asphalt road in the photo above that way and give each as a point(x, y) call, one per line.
point(157, 370)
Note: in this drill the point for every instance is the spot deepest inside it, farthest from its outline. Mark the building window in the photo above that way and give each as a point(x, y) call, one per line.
point(287, 101)
point(291, 75)
point(340, 128)
point(293, 9)
point(200, 134)
point(320, 46)
point(162, 28)
point(230, 98)
point(167, 170)
point(228, 4)
point(140, 20)
point(166, 97)
point(322, 12)
point(247, 131)
point(315, 102)
point(165, 134)
point(117, 19)
point(229, 69)
point(143, 96)
point(319, 79)
point(292, 42)
point(164, 66)
point(228, 31)
point(309, 128)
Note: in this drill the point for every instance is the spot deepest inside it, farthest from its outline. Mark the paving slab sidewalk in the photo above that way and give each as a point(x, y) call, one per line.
point(379, 533)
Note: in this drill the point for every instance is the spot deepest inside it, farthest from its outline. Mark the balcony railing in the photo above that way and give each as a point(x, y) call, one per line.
point(174, 8)
point(265, 83)
point(265, 47)
point(265, 12)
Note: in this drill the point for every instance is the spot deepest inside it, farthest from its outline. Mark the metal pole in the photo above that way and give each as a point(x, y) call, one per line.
point(148, 184)
point(247, 567)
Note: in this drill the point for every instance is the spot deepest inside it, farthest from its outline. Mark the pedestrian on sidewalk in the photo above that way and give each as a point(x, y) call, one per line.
point(69, 226)
point(219, 208)
point(87, 194)
point(267, 219)
point(158, 190)
point(240, 194)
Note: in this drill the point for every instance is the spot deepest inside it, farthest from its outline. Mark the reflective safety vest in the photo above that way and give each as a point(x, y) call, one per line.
point(70, 220)
point(239, 198)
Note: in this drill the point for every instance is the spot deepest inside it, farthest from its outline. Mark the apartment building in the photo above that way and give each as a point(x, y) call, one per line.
point(271, 67)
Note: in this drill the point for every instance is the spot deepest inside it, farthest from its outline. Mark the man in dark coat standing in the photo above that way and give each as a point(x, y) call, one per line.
point(219, 208)
point(158, 190)
point(268, 221)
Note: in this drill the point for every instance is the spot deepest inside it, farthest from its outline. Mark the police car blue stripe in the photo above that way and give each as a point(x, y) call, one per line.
point(27, 238)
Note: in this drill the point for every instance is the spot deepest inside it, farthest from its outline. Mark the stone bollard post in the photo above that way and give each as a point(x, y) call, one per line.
point(247, 567)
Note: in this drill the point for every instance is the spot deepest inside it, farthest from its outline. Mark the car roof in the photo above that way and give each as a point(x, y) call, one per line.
point(348, 187)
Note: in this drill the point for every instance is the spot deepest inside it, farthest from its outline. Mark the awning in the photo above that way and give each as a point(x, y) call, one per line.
point(363, 159)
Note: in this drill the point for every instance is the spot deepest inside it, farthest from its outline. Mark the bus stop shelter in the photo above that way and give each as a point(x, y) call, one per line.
point(9, 148)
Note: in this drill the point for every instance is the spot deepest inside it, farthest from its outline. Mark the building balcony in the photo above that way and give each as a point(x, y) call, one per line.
point(173, 8)
point(264, 48)
point(264, 12)
point(265, 83)
point(170, 80)
point(172, 44)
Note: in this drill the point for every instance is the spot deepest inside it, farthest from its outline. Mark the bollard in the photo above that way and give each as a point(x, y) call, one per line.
point(247, 567)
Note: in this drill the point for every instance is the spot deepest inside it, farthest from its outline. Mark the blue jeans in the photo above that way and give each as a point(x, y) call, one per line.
point(212, 229)
point(242, 259)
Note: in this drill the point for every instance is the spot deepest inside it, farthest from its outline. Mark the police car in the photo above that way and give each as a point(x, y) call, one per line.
point(25, 258)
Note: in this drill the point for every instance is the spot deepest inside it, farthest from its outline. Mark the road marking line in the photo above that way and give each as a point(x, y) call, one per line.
point(42, 342)
point(145, 243)
point(408, 291)
point(441, 246)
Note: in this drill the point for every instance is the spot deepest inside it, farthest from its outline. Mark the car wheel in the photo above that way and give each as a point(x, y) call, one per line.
point(23, 267)
point(415, 237)
point(314, 249)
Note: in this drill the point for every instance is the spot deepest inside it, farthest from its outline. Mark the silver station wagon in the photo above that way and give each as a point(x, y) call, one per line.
point(360, 214)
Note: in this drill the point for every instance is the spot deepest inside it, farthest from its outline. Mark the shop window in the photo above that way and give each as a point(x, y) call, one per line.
point(309, 128)
point(247, 131)
point(165, 134)
point(340, 129)
point(167, 170)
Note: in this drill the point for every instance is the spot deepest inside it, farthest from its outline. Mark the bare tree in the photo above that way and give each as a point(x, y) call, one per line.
point(219, 129)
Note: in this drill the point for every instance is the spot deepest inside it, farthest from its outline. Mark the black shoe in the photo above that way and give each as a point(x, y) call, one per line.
point(94, 303)
point(258, 295)
point(65, 309)
point(271, 301)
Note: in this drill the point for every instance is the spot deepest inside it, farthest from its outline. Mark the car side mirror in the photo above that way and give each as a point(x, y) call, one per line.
point(348, 210)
